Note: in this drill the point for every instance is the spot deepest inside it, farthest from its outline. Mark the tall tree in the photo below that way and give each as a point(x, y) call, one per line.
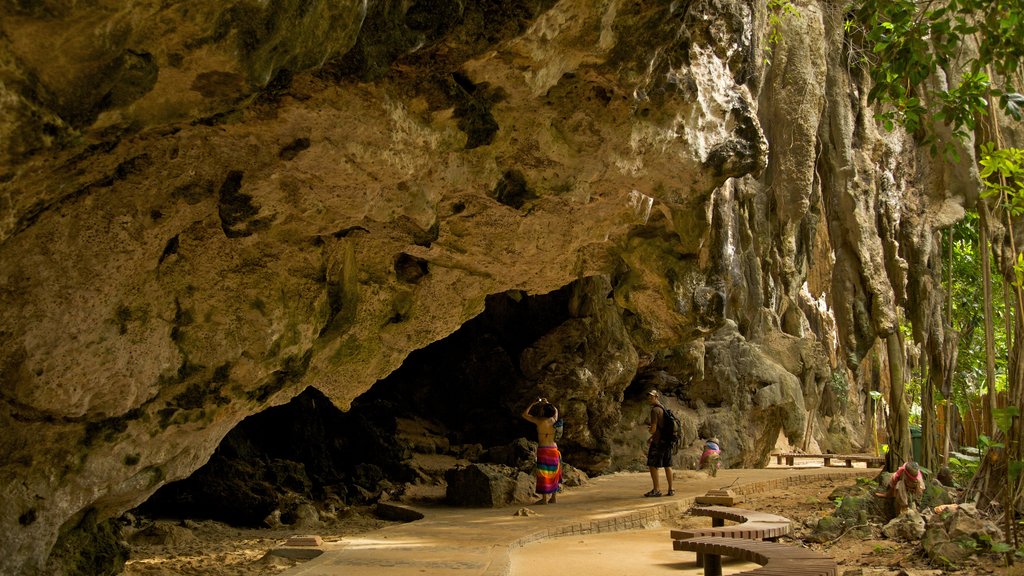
point(940, 67)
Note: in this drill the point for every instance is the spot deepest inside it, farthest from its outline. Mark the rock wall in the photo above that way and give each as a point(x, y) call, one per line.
point(205, 209)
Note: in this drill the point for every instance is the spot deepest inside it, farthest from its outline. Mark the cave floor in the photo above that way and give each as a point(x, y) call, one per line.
point(474, 541)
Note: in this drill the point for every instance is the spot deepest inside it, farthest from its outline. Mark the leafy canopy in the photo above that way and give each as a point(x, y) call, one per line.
point(911, 41)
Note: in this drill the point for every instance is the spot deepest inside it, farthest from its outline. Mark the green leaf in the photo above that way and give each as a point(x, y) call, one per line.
point(1000, 547)
point(1015, 469)
point(1004, 416)
point(1013, 103)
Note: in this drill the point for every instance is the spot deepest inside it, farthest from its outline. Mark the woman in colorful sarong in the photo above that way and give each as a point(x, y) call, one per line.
point(549, 459)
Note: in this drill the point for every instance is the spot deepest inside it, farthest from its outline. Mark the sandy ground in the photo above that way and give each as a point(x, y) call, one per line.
point(213, 549)
point(632, 552)
point(208, 548)
point(650, 552)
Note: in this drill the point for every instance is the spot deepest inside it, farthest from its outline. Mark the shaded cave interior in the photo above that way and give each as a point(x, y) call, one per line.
point(454, 402)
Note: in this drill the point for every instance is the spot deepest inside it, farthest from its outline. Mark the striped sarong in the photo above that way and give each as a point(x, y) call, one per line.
point(549, 469)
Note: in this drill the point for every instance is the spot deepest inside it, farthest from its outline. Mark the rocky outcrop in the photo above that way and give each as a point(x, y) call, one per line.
point(488, 486)
point(206, 209)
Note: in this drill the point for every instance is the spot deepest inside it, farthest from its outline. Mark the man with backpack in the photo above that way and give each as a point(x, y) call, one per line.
point(660, 445)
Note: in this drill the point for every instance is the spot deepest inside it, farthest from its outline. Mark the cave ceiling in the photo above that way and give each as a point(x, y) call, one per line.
point(207, 208)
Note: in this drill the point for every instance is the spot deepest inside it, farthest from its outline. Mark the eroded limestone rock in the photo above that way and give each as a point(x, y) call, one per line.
point(206, 209)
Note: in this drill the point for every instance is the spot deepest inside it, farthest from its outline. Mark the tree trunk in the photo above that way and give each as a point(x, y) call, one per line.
point(898, 423)
point(947, 384)
point(928, 450)
point(950, 352)
point(990, 341)
point(948, 426)
point(872, 384)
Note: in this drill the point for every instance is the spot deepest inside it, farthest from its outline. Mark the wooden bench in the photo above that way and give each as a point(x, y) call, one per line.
point(849, 459)
point(753, 525)
point(773, 557)
point(719, 514)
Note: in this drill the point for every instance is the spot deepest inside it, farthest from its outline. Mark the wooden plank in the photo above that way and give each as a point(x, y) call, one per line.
point(775, 558)
point(848, 459)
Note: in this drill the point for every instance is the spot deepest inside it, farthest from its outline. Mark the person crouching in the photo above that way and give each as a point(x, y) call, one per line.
point(906, 485)
point(711, 459)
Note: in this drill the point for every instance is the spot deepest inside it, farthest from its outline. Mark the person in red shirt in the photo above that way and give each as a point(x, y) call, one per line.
point(905, 486)
point(711, 459)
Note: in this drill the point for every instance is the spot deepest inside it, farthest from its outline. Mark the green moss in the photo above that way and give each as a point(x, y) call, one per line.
point(156, 475)
point(401, 305)
point(222, 373)
point(88, 546)
point(188, 369)
point(28, 517)
point(182, 318)
point(275, 348)
point(122, 317)
point(292, 371)
point(200, 394)
point(349, 349)
point(512, 190)
point(106, 430)
point(850, 507)
point(165, 416)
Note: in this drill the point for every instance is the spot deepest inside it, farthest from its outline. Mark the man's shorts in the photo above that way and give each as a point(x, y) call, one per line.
point(659, 455)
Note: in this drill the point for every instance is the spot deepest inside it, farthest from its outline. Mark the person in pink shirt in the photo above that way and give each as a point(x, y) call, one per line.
point(711, 459)
point(905, 486)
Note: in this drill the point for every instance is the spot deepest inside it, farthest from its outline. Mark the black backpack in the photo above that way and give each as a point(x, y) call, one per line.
point(672, 432)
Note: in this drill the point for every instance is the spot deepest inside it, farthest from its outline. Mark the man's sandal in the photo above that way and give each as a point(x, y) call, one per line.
point(653, 493)
point(670, 493)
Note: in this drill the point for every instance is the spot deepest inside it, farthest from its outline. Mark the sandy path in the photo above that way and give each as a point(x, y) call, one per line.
point(612, 554)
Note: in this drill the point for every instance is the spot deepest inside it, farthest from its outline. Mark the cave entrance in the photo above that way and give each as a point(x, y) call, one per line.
point(455, 401)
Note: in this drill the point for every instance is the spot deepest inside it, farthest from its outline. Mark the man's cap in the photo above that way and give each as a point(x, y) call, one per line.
point(713, 439)
point(912, 467)
point(652, 392)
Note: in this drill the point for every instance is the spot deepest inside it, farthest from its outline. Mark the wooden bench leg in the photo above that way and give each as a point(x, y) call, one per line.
point(827, 460)
point(778, 459)
point(712, 565)
point(849, 463)
point(700, 560)
point(789, 460)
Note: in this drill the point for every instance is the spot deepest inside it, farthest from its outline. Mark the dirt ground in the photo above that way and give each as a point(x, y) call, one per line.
point(213, 549)
point(613, 554)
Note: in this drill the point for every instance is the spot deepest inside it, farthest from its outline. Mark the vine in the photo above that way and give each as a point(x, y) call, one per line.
point(778, 10)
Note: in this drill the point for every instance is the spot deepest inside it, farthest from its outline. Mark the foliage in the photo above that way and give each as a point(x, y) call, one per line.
point(881, 548)
point(1002, 171)
point(962, 470)
point(985, 443)
point(1004, 417)
point(777, 11)
point(968, 315)
point(910, 41)
point(934, 64)
point(840, 386)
